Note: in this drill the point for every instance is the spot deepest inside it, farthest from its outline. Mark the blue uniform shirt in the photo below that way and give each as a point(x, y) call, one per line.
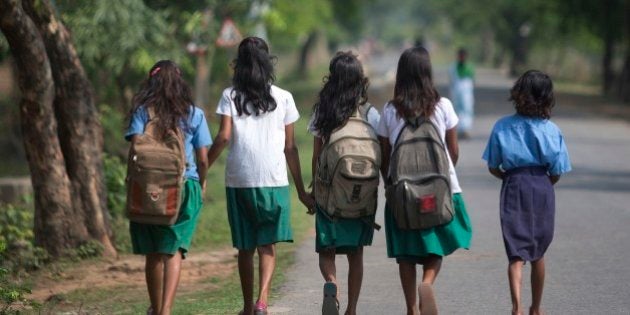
point(518, 141)
point(197, 135)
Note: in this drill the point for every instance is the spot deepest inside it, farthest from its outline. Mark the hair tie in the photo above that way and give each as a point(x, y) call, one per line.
point(155, 71)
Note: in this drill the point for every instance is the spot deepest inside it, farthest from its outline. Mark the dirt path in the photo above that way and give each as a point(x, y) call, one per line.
point(128, 269)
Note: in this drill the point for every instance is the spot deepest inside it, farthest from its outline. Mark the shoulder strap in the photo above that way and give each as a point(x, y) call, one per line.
point(364, 110)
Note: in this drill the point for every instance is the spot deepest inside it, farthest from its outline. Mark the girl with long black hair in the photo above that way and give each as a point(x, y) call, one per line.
point(257, 120)
point(343, 93)
point(165, 94)
point(416, 96)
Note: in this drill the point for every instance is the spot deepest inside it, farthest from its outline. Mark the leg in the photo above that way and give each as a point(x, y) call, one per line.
point(172, 269)
point(246, 274)
point(327, 265)
point(154, 274)
point(538, 282)
point(355, 278)
point(267, 264)
point(514, 275)
point(407, 272)
point(431, 266)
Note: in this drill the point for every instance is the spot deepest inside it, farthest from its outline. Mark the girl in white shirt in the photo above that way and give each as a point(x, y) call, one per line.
point(414, 96)
point(257, 121)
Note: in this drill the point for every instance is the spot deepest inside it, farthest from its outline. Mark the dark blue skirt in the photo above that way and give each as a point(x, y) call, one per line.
point(527, 213)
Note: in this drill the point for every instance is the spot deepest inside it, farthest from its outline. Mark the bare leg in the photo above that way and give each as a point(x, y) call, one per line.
point(172, 270)
point(154, 274)
point(538, 283)
point(407, 272)
point(327, 265)
point(246, 273)
point(355, 278)
point(431, 268)
point(267, 263)
point(515, 270)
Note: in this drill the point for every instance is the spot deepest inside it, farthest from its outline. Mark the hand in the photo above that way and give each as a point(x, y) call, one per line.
point(308, 201)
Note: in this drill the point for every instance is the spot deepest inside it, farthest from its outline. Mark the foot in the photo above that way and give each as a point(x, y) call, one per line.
point(517, 311)
point(427, 300)
point(330, 305)
point(260, 308)
point(535, 311)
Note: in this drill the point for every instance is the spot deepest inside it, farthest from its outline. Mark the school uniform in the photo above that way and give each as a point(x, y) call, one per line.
point(148, 238)
point(529, 150)
point(256, 181)
point(413, 245)
point(345, 235)
point(462, 93)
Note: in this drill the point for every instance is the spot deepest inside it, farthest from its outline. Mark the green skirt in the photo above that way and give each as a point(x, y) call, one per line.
point(343, 235)
point(259, 216)
point(148, 238)
point(413, 245)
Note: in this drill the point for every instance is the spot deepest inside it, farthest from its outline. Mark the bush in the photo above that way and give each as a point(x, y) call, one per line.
point(115, 174)
point(16, 235)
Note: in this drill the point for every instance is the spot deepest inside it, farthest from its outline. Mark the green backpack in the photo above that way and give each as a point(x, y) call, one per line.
point(347, 177)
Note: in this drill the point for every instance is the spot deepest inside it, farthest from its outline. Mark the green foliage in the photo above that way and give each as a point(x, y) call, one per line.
point(90, 249)
point(16, 235)
point(11, 292)
point(289, 22)
point(115, 174)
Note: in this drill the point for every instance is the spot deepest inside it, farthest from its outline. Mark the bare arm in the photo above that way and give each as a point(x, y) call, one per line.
point(293, 160)
point(554, 179)
point(496, 172)
point(221, 140)
point(385, 152)
point(451, 145)
point(317, 149)
point(202, 166)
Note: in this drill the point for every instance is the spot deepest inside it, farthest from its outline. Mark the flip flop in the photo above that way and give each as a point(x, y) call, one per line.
point(260, 308)
point(330, 306)
point(427, 300)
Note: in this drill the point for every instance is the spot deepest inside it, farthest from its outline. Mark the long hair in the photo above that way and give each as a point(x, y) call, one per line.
point(532, 95)
point(166, 92)
point(253, 77)
point(414, 92)
point(345, 88)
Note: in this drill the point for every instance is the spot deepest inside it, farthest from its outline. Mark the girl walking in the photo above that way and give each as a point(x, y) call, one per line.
point(257, 120)
point(165, 97)
point(343, 96)
point(416, 96)
point(527, 152)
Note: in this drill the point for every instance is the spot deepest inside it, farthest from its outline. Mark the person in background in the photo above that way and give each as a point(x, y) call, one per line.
point(462, 77)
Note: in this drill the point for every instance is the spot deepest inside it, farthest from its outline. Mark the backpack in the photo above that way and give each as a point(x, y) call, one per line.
point(155, 175)
point(346, 182)
point(420, 192)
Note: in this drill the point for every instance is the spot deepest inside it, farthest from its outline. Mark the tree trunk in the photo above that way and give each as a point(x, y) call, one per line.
point(80, 131)
point(305, 52)
point(519, 49)
point(608, 75)
point(56, 229)
point(624, 80)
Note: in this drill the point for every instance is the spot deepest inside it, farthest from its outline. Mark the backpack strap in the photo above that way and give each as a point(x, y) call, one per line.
point(364, 110)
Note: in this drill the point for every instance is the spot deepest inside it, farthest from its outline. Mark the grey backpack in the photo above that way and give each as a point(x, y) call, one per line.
point(347, 177)
point(420, 192)
point(155, 175)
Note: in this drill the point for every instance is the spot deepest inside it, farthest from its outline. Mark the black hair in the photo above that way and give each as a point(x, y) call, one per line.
point(253, 77)
point(414, 92)
point(165, 91)
point(532, 95)
point(345, 88)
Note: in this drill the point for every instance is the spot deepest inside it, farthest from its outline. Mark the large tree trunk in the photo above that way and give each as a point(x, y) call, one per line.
point(305, 52)
point(55, 222)
point(624, 80)
point(80, 132)
point(608, 75)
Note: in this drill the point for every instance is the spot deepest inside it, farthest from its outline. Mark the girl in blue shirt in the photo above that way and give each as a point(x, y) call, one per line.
point(527, 151)
point(168, 96)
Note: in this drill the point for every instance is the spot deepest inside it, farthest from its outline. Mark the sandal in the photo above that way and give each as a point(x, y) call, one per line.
point(260, 308)
point(330, 305)
point(427, 300)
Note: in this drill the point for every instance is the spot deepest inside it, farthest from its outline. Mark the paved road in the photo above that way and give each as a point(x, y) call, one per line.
point(588, 269)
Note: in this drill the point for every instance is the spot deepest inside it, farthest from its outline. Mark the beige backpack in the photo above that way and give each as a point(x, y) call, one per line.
point(420, 192)
point(346, 182)
point(155, 175)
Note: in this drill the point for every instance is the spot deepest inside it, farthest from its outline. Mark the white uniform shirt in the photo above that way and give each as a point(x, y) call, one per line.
point(444, 119)
point(256, 157)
